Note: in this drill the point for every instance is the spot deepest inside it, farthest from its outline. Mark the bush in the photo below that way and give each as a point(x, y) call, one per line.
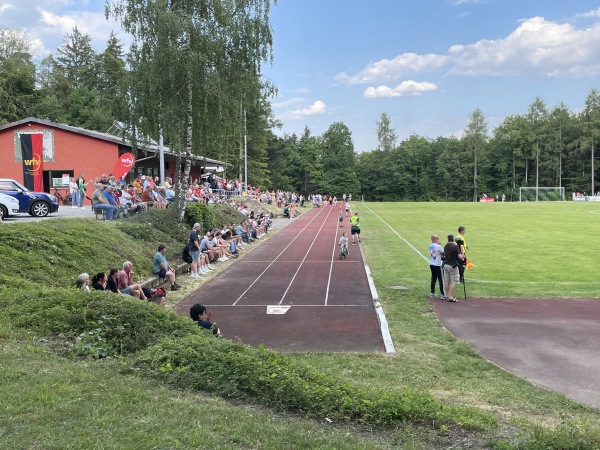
point(201, 213)
point(163, 220)
point(122, 324)
point(234, 370)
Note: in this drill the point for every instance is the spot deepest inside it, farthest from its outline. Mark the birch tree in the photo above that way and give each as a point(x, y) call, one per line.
point(192, 63)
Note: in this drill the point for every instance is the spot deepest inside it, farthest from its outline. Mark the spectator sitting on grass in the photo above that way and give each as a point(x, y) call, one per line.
point(99, 282)
point(222, 244)
point(83, 282)
point(161, 267)
point(125, 285)
point(206, 247)
point(202, 316)
point(219, 251)
point(242, 231)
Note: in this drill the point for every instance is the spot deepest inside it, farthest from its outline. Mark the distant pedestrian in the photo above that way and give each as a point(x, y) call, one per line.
point(341, 217)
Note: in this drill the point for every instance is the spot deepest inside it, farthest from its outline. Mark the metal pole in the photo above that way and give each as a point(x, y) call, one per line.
point(245, 158)
point(162, 159)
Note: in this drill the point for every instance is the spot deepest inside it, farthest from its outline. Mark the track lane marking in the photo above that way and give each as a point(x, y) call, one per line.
point(275, 259)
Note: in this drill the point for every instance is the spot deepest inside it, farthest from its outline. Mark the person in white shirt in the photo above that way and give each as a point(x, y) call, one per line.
point(436, 252)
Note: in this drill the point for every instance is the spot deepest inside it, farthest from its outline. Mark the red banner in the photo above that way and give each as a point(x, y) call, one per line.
point(32, 151)
point(123, 165)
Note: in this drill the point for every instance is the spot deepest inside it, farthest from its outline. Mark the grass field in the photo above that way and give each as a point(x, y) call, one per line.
point(538, 250)
point(57, 400)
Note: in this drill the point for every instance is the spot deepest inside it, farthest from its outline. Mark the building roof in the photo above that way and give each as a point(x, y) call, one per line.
point(151, 147)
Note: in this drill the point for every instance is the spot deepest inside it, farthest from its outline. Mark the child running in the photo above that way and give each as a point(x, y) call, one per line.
point(341, 217)
point(347, 208)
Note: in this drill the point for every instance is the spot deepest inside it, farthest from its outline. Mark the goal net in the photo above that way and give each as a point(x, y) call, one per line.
point(542, 194)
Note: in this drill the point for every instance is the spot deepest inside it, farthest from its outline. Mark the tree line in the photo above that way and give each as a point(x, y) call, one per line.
point(204, 93)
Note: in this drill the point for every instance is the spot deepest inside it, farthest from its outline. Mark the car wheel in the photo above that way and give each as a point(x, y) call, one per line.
point(3, 212)
point(40, 209)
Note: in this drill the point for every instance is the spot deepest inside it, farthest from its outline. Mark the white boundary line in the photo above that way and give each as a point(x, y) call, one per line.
point(397, 234)
point(333, 253)
point(383, 324)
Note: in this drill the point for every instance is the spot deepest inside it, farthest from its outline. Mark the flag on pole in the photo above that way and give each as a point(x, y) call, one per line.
point(470, 265)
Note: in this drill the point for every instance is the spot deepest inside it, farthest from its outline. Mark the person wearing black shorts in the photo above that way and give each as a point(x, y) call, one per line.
point(355, 227)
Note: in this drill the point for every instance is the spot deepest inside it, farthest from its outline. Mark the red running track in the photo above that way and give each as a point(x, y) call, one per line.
point(329, 300)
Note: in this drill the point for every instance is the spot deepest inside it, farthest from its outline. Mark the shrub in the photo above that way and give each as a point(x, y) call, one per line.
point(163, 220)
point(201, 213)
point(123, 323)
point(234, 370)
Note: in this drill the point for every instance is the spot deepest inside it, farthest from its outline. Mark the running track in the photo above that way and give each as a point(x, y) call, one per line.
point(330, 303)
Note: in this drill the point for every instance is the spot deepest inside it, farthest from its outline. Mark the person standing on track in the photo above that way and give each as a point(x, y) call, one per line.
point(355, 227)
point(452, 258)
point(436, 253)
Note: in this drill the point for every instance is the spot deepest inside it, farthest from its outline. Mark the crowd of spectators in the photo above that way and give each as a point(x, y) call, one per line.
point(117, 281)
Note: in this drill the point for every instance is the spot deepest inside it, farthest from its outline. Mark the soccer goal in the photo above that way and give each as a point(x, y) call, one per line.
point(542, 194)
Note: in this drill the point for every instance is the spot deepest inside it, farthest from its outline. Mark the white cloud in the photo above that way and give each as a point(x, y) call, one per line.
point(296, 101)
point(317, 108)
point(392, 69)
point(590, 14)
point(46, 22)
point(405, 88)
point(469, 2)
point(537, 47)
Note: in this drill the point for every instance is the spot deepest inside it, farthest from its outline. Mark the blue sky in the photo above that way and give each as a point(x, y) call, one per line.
point(428, 64)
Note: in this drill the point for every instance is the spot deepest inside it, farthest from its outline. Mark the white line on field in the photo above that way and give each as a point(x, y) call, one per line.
point(398, 234)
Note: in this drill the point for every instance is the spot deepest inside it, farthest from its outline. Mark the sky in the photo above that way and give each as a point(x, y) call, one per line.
point(428, 64)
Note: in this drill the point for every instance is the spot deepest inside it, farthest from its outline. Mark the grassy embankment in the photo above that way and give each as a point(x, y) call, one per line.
point(434, 392)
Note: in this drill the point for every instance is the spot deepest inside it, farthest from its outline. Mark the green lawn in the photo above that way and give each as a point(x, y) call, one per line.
point(519, 249)
point(52, 399)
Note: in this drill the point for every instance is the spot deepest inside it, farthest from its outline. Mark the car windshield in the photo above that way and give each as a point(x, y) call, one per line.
point(6, 185)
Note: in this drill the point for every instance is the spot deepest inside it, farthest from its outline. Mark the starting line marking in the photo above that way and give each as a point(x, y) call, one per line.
point(277, 309)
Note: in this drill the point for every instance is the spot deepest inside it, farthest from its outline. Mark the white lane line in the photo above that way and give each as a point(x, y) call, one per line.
point(275, 259)
point(320, 305)
point(333, 251)
point(398, 234)
point(305, 256)
point(383, 323)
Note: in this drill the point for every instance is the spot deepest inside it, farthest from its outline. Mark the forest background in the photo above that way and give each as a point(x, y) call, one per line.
point(546, 146)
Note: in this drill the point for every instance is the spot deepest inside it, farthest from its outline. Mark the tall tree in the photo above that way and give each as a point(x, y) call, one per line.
point(339, 174)
point(475, 138)
point(591, 125)
point(77, 58)
point(192, 62)
point(537, 117)
point(17, 76)
point(111, 77)
point(386, 135)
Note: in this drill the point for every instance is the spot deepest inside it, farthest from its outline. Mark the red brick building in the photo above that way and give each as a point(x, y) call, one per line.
point(70, 151)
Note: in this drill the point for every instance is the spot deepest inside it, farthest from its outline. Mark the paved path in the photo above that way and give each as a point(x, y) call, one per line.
point(326, 301)
point(551, 342)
